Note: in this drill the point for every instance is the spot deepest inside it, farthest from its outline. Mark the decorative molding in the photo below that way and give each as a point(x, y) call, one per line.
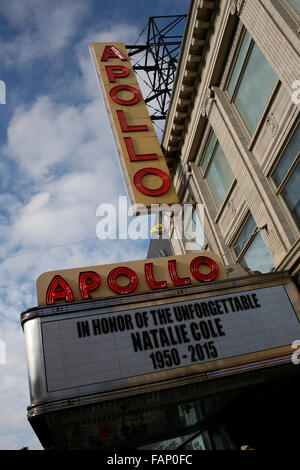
point(232, 207)
point(187, 169)
point(236, 6)
point(208, 102)
point(272, 124)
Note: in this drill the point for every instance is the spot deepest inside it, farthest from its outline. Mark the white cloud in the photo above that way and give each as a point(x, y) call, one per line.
point(68, 155)
point(74, 167)
point(15, 431)
point(68, 163)
point(50, 26)
point(14, 428)
point(48, 135)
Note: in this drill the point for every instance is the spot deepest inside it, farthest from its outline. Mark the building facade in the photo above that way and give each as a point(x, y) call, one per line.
point(232, 132)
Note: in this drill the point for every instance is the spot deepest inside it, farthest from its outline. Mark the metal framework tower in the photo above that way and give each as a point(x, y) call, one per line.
point(159, 60)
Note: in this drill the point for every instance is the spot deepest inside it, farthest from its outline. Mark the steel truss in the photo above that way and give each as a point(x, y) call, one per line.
point(159, 61)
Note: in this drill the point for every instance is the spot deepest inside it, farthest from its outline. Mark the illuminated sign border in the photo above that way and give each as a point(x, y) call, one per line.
point(145, 171)
point(33, 318)
point(103, 281)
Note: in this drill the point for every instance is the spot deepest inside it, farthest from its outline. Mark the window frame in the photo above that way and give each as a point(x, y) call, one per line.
point(231, 98)
point(289, 14)
point(250, 240)
point(188, 244)
point(278, 189)
point(290, 9)
point(233, 64)
point(206, 171)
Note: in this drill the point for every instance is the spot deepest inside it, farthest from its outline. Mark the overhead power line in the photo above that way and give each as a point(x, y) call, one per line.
point(22, 253)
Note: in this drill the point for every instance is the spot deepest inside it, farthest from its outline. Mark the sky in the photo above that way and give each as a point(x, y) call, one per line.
point(58, 162)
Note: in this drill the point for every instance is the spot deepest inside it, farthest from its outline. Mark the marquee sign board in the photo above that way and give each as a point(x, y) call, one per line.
point(95, 282)
point(142, 161)
point(105, 347)
point(152, 351)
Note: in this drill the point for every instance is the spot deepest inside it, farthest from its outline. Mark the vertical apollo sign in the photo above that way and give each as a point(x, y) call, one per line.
point(142, 161)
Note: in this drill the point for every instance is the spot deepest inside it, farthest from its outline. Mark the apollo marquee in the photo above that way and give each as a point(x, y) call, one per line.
point(112, 332)
point(143, 163)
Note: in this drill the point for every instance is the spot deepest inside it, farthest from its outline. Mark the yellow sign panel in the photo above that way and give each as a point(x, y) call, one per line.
point(142, 161)
point(97, 282)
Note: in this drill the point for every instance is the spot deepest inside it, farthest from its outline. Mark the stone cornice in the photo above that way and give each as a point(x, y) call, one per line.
point(195, 45)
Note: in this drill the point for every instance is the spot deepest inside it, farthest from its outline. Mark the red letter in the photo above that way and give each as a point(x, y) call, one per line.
point(136, 95)
point(111, 52)
point(214, 270)
point(124, 126)
point(133, 157)
point(150, 279)
point(137, 180)
point(85, 286)
point(133, 280)
point(124, 72)
point(64, 292)
point(177, 281)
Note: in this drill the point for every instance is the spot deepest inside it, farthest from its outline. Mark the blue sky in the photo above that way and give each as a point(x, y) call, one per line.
point(58, 162)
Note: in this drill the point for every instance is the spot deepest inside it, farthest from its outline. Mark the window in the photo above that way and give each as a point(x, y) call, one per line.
point(217, 171)
point(250, 249)
point(286, 176)
point(193, 226)
point(251, 82)
point(295, 4)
